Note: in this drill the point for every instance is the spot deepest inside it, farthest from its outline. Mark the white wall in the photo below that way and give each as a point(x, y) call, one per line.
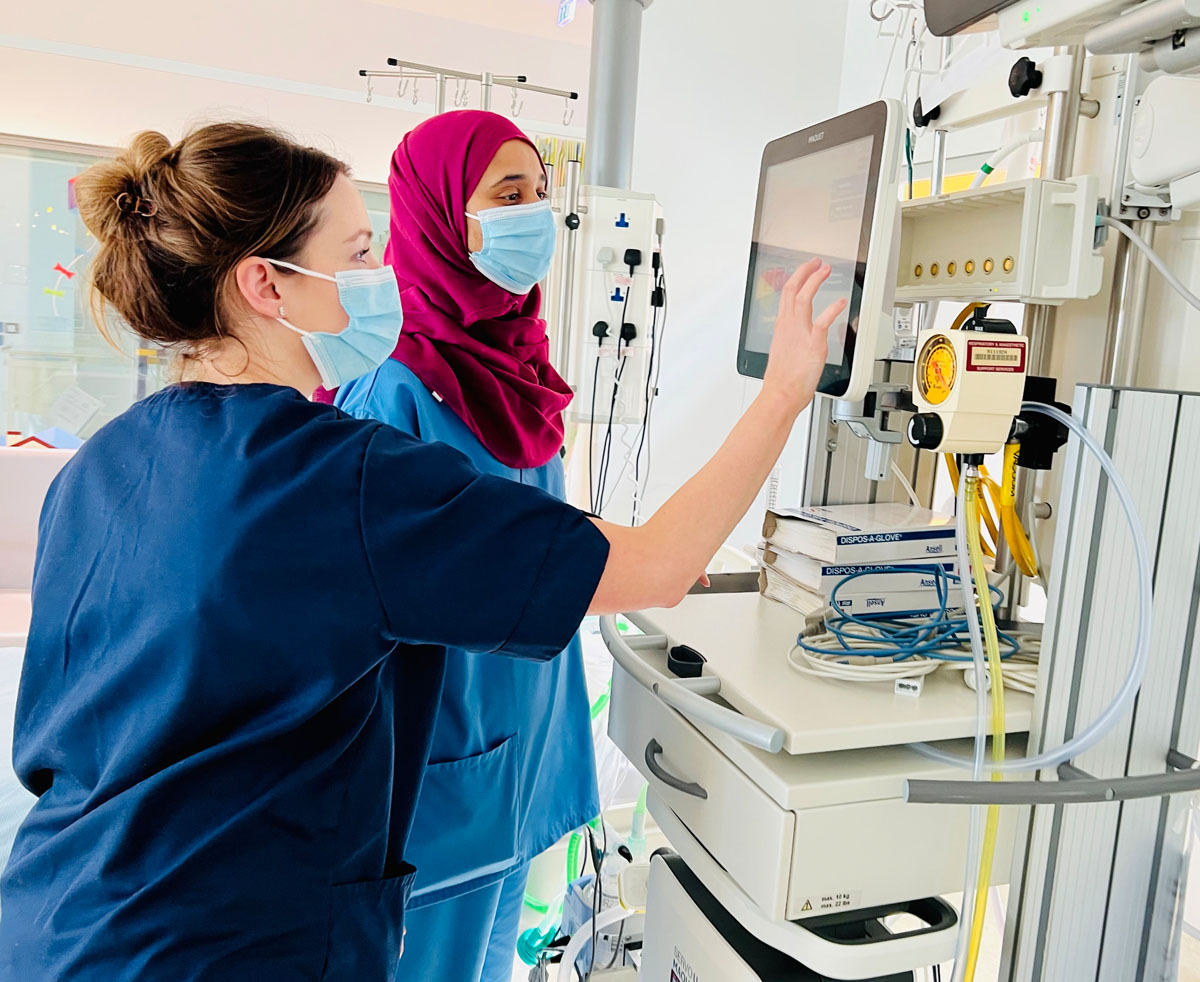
point(97, 73)
point(715, 86)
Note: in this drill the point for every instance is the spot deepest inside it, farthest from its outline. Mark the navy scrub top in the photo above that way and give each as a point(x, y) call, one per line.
point(513, 739)
point(239, 610)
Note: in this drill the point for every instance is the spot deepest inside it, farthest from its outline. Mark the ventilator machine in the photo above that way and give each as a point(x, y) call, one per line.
point(826, 781)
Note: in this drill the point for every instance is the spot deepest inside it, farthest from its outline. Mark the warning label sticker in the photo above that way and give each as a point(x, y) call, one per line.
point(995, 356)
point(824, 903)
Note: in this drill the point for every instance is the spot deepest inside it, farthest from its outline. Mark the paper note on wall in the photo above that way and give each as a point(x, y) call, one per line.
point(73, 409)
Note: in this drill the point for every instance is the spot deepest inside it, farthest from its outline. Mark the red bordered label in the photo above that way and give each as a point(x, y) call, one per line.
point(995, 356)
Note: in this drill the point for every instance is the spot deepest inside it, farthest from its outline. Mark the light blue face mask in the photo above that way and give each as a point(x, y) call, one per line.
point(518, 245)
point(371, 298)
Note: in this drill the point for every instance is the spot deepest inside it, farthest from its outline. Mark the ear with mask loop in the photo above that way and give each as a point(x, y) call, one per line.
point(371, 300)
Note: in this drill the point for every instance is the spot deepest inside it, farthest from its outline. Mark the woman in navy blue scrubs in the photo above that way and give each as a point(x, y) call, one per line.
point(242, 599)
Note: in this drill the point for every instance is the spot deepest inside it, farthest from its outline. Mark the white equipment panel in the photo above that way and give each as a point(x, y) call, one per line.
point(746, 638)
point(1054, 22)
point(612, 221)
point(1030, 241)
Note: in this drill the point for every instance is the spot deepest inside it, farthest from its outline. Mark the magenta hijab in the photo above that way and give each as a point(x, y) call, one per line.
point(477, 347)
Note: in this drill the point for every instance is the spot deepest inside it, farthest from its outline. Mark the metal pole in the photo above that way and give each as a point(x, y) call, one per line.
point(1058, 162)
point(937, 173)
point(1127, 310)
point(439, 104)
point(1062, 121)
point(566, 284)
point(485, 90)
point(1131, 271)
point(530, 87)
point(612, 91)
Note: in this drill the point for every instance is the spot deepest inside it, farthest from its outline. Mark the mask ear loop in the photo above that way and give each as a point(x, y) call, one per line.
point(299, 269)
point(296, 269)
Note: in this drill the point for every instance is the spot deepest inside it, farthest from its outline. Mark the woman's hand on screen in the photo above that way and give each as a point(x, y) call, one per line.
point(800, 344)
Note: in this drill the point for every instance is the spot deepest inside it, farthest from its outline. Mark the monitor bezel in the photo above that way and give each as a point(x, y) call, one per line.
point(872, 120)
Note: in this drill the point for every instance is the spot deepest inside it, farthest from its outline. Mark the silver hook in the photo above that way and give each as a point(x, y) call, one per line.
point(402, 85)
point(416, 87)
point(370, 87)
point(514, 109)
point(461, 94)
point(568, 111)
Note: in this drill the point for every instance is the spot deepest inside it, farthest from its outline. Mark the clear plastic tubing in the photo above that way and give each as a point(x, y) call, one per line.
point(1123, 701)
point(966, 583)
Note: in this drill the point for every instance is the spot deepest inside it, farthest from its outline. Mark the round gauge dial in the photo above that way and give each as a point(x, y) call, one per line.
point(937, 369)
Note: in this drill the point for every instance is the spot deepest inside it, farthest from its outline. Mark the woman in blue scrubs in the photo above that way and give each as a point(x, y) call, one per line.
point(512, 751)
point(242, 599)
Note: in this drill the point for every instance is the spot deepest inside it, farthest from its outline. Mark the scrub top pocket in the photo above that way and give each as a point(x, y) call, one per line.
point(476, 801)
point(366, 930)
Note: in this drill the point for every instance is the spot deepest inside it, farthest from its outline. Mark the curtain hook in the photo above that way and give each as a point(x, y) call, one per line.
point(416, 87)
point(370, 87)
point(402, 85)
point(514, 109)
point(460, 93)
point(568, 111)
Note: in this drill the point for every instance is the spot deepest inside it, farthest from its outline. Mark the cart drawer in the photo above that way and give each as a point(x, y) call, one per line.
point(745, 831)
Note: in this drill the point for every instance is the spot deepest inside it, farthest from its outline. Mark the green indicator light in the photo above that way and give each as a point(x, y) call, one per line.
point(1025, 17)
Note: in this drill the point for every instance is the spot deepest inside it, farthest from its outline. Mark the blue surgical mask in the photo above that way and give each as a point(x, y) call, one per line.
point(371, 298)
point(518, 245)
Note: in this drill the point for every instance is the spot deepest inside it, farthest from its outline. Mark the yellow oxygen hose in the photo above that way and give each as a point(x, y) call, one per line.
point(992, 643)
point(1014, 532)
point(1004, 505)
point(988, 521)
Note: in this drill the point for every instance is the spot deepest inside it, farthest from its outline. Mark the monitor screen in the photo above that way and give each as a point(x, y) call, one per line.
point(817, 191)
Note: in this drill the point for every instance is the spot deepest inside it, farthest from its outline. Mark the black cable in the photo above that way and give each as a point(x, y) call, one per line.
point(618, 373)
point(606, 446)
point(650, 388)
point(616, 947)
point(592, 433)
point(597, 862)
point(662, 340)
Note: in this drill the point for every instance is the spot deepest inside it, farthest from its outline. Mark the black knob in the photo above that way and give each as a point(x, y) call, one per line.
point(571, 221)
point(1024, 78)
point(921, 119)
point(925, 431)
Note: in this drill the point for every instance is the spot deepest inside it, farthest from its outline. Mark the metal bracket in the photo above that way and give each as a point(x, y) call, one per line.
point(868, 419)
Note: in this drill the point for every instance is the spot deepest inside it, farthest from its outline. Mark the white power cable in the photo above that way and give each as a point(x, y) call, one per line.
point(904, 483)
point(851, 666)
point(1155, 259)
